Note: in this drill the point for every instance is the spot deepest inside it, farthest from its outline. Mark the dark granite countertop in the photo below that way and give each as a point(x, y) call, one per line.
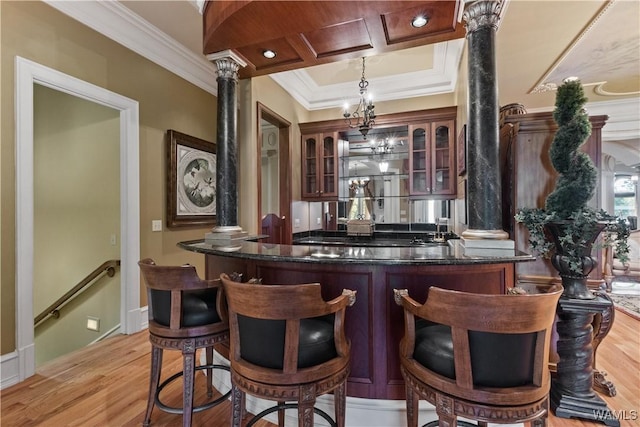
point(451, 253)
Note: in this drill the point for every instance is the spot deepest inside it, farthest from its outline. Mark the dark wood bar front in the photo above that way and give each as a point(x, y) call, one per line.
point(374, 323)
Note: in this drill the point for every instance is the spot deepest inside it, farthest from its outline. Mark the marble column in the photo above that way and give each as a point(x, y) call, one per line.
point(227, 227)
point(483, 158)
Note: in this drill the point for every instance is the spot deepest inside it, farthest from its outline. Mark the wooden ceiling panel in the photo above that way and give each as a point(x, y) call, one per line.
point(286, 54)
point(340, 38)
point(308, 33)
point(398, 27)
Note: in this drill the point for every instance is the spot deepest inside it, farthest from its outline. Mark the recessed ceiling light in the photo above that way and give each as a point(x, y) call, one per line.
point(269, 54)
point(419, 21)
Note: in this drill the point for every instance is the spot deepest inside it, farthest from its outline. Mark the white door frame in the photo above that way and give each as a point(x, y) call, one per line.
point(28, 73)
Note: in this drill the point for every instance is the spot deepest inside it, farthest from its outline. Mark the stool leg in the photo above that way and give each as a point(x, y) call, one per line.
point(237, 406)
point(445, 409)
point(188, 366)
point(306, 401)
point(340, 403)
point(281, 414)
point(412, 406)
point(154, 381)
point(540, 421)
point(209, 356)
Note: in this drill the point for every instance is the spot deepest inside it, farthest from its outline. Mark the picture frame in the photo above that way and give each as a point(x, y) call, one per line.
point(462, 151)
point(191, 181)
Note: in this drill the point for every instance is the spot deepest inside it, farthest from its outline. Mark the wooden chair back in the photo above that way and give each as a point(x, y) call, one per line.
point(289, 304)
point(468, 314)
point(273, 226)
point(176, 281)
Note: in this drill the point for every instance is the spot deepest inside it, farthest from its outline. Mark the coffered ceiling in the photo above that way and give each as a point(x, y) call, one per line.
point(538, 44)
point(302, 34)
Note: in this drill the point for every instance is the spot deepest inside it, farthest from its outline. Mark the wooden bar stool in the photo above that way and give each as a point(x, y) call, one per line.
point(478, 356)
point(186, 313)
point(287, 344)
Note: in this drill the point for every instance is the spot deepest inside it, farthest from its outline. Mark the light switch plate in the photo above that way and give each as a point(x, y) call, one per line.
point(156, 225)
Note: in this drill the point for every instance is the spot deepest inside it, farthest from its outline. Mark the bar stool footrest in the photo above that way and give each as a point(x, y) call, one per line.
point(275, 408)
point(211, 404)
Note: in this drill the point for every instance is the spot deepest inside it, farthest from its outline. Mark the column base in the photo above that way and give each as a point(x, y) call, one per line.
point(487, 243)
point(226, 238)
point(471, 234)
point(590, 407)
point(226, 233)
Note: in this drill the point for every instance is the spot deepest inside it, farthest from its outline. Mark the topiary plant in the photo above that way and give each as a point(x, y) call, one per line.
point(578, 176)
point(576, 224)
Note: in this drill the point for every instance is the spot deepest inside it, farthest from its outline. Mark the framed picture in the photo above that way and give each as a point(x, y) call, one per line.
point(191, 181)
point(462, 151)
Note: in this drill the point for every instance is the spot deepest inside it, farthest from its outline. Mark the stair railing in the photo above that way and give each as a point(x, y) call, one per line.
point(108, 267)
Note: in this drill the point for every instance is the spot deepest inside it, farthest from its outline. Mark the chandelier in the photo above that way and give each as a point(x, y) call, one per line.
point(385, 145)
point(363, 117)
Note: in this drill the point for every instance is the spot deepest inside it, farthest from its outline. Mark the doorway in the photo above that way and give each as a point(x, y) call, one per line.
point(274, 179)
point(28, 74)
point(76, 222)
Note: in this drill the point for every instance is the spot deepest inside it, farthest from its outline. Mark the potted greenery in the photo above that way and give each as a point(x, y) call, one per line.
point(566, 229)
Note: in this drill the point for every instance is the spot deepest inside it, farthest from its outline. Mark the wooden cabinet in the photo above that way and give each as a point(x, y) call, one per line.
point(320, 166)
point(432, 158)
point(528, 177)
point(427, 168)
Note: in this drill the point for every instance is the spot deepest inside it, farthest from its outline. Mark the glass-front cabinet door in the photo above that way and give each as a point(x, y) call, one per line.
point(432, 158)
point(329, 167)
point(419, 177)
point(443, 160)
point(310, 188)
point(319, 166)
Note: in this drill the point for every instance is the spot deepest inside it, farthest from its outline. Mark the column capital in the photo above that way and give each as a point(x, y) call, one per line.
point(482, 14)
point(228, 63)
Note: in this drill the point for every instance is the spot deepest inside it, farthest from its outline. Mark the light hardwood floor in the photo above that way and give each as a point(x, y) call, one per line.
point(106, 384)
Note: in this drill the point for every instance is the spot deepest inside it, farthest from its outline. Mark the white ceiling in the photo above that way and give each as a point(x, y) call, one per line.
point(538, 44)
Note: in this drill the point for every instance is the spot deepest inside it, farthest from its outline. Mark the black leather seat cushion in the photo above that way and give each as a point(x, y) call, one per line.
point(434, 349)
point(198, 307)
point(262, 341)
point(497, 360)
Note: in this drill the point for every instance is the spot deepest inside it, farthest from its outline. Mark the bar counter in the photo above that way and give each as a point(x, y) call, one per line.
point(374, 323)
point(447, 253)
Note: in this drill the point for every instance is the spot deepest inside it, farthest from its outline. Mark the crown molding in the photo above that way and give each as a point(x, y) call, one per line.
point(623, 120)
point(437, 80)
point(120, 24)
point(622, 124)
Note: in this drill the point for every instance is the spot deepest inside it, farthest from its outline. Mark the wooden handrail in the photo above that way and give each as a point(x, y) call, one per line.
point(108, 266)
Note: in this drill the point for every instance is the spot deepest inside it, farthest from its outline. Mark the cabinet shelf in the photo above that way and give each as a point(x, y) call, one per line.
point(370, 176)
point(398, 155)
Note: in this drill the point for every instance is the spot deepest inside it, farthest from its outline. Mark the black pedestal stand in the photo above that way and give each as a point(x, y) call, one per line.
point(572, 394)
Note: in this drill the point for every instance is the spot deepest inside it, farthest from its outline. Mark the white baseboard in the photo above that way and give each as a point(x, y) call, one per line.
point(144, 317)
point(9, 370)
